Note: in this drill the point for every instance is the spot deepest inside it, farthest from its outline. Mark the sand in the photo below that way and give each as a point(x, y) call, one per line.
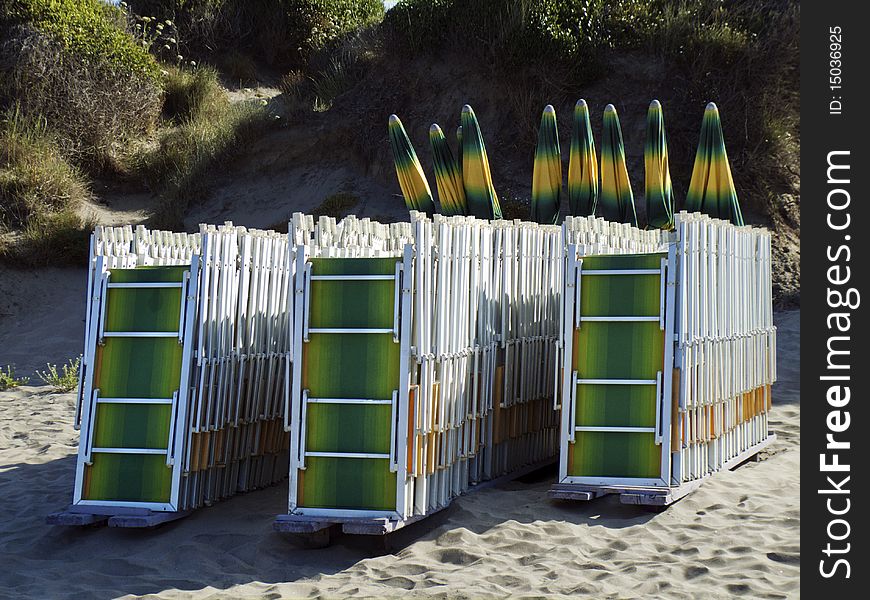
point(737, 535)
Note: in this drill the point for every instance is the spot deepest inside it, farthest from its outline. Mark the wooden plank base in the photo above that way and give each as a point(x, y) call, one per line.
point(113, 516)
point(648, 496)
point(75, 519)
point(309, 525)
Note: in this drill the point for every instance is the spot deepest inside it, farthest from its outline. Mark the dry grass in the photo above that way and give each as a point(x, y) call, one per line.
point(203, 130)
point(40, 196)
point(92, 109)
point(337, 205)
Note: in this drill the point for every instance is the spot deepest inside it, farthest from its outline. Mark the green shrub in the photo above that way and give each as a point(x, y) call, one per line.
point(512, 33)
point(742, 54)
point(73, 64)
point(274, 30)
point(9, 380)
point(93, 30)
point(337, 205)
point(207, 129)
point(40, 197)
point(64, 380)
point(188, 93)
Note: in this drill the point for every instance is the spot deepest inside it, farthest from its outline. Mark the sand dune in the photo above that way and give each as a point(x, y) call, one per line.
point(737, 535)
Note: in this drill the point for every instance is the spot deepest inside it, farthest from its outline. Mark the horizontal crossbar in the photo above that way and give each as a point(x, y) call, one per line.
point(586, 272)
point(353, 278)
point(616, 382)
point(134, 400)
point(618, 429)
point(620, 319)
point(145, 285)
point(129, 450)
point(347, 401)
point(346, 455)
point(142, 334)
point(346, 330)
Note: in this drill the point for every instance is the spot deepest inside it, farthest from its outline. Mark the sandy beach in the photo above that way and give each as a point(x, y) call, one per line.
point(738, 535)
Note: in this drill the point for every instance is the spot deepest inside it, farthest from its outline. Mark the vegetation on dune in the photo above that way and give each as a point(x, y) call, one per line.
point(105, 91)
point(206, 129)
point(276, 31)
point(64, 380)
point(741, 53)
point(9, 380)
point(40, 193)
point(74, 64)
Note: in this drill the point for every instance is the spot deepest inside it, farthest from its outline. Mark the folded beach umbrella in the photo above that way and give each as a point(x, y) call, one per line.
point(582, 165)
point(448, 177)
point(479, 193)
point(459, 148)
point(658, 192)
point(617, 199)
point(712, 190)
point(547, 174)
point(412, 180)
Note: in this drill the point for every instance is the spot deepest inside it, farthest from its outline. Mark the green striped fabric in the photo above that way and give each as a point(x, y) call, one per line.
point(616, 406)
point(351, 304)
point(132, 425)
point(146, 309)
point(354, 266)
point(350, 366)
point(412, 180)
point(613, 262)
point(131, 367)
point(349, 483)
point(617, 295)
point(582, 164)
point(547, 173)
point(128, 478)
point(348, 428)
point(711, 189)
point(617, 350)
point(658, 190)
point(480, 196)
point(138, 367)
point(448, 174)
point(616, 197)
point(615, 454)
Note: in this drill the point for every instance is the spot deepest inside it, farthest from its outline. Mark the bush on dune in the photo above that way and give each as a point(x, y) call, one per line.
point(72, 63)
point(40, 197)
point(742, 54)
point(206, 129)
point(285, 31)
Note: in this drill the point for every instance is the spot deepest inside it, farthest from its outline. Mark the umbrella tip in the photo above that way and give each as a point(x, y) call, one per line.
point(610, 108)
point(711, 106)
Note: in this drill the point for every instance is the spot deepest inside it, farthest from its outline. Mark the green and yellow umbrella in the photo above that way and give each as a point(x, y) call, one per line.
point(480, 195)
point(448, 177)
point(412, 180)
point(617, 199)
point(712, 188)
point(547, 174)
point(658, 192)
point(582, 165)
point(459, 149)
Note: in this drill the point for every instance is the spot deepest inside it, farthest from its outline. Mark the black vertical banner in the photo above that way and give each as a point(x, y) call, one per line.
point(835, 453)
